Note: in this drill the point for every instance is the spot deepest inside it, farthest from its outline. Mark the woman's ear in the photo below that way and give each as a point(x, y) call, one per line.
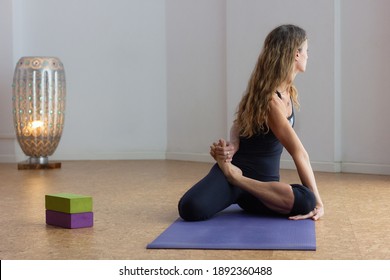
point(297, 55)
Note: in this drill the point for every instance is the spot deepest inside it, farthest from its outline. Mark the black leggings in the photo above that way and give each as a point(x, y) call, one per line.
point(214, 193)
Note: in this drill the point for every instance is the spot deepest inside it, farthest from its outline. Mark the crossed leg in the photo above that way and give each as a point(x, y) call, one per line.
point(276, 196)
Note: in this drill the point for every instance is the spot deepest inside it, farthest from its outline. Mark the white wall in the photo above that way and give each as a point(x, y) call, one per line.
point(7, 138)
point(114, 57)
point(162, 79)
point(365, 64)
point(196, 77)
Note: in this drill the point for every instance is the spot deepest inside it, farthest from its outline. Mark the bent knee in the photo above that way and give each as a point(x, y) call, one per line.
point(191, 210)
point(304, 200)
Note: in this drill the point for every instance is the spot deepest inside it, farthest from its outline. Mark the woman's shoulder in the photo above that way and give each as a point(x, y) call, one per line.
point(276, 107)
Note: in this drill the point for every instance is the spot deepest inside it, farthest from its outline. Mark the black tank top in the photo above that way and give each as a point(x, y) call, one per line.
point(259, 156)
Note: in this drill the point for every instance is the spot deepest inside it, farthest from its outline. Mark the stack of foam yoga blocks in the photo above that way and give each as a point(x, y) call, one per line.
point(69, 210)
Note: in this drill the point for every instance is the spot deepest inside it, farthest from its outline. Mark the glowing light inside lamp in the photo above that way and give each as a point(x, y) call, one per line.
point(36, 124)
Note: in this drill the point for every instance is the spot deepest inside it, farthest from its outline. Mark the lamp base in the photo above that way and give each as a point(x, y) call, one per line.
point(27, 165)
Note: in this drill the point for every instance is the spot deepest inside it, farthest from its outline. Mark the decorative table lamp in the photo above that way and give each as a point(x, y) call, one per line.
point(39, 92)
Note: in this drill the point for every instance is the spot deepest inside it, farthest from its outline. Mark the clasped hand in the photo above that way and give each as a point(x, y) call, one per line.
point(222, 150)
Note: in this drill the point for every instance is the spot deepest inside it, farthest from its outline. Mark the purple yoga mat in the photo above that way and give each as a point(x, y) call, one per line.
point(236, 229)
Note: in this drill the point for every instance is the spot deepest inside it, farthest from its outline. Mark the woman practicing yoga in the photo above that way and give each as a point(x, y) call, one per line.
point(247, 168)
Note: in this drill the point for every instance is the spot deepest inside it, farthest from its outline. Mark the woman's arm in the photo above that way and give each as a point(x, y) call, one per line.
point(282, 129)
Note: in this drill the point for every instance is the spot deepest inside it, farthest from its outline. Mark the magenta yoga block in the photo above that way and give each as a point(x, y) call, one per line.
point(66, 220)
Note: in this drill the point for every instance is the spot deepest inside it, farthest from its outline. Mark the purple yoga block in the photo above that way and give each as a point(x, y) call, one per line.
point(66, 220)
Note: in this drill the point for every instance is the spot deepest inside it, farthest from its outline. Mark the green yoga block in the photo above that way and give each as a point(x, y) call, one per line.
point(68, 203)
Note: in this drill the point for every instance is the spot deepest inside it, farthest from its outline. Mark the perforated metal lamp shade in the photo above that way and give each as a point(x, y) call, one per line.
point(39, 91)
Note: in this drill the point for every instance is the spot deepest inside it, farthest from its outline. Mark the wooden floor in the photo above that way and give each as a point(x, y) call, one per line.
point(134, 201)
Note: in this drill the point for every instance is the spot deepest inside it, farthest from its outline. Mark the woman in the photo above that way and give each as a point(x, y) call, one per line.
point(247, 169)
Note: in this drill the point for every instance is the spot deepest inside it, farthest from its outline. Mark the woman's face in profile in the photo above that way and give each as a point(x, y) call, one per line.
point(301, 57)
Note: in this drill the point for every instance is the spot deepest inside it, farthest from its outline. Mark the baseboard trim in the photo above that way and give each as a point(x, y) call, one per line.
point(8, 159)
point(343, 167)
point(334, 167)
point(365, 168)
point(189, 157)
point(110, 156)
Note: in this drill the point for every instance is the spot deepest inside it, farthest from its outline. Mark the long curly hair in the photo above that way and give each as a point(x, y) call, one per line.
point(275, 66)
